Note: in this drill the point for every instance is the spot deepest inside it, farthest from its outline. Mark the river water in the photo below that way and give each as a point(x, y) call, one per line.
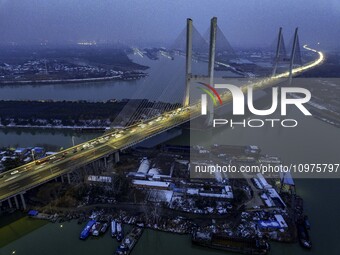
point(55, 139)
point(312, 140)
point(90, 91)
point(165, 82)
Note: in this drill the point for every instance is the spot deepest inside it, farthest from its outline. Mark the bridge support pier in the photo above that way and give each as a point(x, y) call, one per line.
point(68, 178)
point(62, 179)
point(23, 201)
point(16, 202)
point(110, 159)
point(116, 156)
point(10, 203)
point(105, 162)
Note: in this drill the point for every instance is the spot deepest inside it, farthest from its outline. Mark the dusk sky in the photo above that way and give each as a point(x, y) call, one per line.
point(245, 23)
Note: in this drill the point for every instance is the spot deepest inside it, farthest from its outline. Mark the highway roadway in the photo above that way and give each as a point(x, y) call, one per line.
point(35, 173)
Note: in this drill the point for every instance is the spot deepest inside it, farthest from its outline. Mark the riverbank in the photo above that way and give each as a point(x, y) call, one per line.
point(49, 237)
point(324, 104)
point(124, 77)
point(40, 65)
point(76, 115)
point(323, 219)
point(75, 128)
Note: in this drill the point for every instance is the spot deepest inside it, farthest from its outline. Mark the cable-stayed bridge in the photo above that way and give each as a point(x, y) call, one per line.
point(139, 120)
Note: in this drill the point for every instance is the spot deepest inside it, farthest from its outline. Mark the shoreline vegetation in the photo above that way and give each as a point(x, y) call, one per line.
point(75, 115)
point(135, 76)
point(92, 116)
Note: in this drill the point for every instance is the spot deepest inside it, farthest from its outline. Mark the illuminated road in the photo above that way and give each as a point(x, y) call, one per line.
point(35, 173)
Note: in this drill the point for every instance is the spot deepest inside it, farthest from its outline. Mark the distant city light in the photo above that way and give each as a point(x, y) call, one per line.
point(87, 43)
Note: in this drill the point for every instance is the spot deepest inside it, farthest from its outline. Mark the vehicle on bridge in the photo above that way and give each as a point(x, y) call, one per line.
point(41, 161)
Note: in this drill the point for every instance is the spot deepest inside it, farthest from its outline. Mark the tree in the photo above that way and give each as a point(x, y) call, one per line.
point(11, 163)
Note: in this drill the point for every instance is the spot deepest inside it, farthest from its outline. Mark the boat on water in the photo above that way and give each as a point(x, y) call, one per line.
point(303, 235)
point(113, 228)
point(94, 215)
point(129, 241)
point(96, 228)
point(233, 244)
point(87, 230)
point(104, 228)
point(120, 232)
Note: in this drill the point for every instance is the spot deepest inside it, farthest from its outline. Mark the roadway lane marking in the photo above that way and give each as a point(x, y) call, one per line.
point(11, 178)
point(13, 187)
point(36, 177)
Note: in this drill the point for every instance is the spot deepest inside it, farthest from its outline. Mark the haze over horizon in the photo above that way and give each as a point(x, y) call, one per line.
point(245, 23)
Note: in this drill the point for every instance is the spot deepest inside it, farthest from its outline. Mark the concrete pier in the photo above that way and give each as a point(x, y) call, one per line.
point(16, 202)
point(23, 201)
point(10, 203)
point(116, 156)
point(68, 178)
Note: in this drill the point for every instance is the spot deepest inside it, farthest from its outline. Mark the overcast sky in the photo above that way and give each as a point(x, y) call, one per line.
point(244, 22)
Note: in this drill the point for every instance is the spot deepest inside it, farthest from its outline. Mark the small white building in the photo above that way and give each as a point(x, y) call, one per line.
point(273, 194)
point(263, 181)
point(98, 178)
point(144, 166)
point(154, 171)
point(151, 184)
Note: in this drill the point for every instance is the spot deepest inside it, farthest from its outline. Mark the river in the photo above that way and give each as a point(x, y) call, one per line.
point(51, 139)
point(165, 82)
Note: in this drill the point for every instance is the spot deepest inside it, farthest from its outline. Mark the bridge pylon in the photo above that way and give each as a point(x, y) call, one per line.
point(211, 64)
point(278, 48)
point(292, 55)
point(188, 62)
